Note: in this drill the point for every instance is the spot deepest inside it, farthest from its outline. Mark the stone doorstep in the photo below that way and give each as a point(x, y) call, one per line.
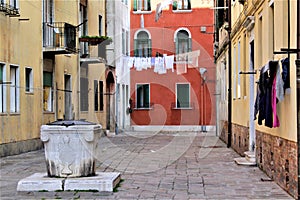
point(250, 156)
point(102, 182)
point(244, 161)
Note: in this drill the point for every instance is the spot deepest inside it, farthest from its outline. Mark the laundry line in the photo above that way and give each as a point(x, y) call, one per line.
point(160, 65)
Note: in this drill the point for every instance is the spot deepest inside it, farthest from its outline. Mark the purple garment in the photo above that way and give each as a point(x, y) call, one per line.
point(276, 122)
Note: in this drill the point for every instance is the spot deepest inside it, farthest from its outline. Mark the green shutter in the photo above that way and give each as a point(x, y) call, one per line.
point(174, 5)
point(149, 5)
point(183, 91)
point(177, 45)
point(135, 5)
point(189, 44)
point(150, 48)
point(136, 50)
point(146, 96)
point(47, 76)
point(1, 74)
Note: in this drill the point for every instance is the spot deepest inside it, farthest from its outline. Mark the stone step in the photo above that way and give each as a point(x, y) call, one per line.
point(244, 161)
point(250, 156)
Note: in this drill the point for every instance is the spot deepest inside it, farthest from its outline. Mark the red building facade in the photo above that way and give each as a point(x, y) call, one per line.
point(183, 95)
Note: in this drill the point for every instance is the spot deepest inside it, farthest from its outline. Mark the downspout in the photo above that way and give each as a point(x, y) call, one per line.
point(229, 74)
point(298, 93)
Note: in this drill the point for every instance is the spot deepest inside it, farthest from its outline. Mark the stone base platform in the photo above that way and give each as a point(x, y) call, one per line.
point(102, 182)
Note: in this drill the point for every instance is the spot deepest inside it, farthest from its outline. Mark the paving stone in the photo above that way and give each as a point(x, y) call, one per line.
point(150, 170)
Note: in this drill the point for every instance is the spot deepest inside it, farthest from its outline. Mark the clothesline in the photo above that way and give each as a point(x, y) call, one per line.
point(162, 64)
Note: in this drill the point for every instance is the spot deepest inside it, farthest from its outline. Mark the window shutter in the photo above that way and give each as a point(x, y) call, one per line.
point(176, 46)
point(189, 44)
point(47, 76)
point(135, 5)
point(149, 5)
point(149, 48)
point(189, 5)
point(136, 51)
point(146, 96)
point(1, 73)
point(96, 94)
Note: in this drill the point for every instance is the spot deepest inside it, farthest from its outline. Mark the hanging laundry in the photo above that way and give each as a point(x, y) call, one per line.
point(264, 102)
point(169, 62)
point(144, 63)
point(138, 64)
point(148, 62)
point(130, 62)
point(286, 75)
point(181, 66)
point(276, 122)
point(279, 84)
point(193, 58)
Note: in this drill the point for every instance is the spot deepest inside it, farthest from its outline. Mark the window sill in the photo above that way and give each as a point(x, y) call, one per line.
point(29, 93)
point(182, 11)
point(142, 12)
point(14, 113)
point(189, 108)
point(4, 114)
point(48, 112)
point(137, 109)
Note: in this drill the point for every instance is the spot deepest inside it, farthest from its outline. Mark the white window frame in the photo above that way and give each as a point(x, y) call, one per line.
point(14, 89)
point(189, 107)
point(30, 80)
point(239, 70)
point(14, 3)
point(136, 96)
point(234, 72)
point(3, 91)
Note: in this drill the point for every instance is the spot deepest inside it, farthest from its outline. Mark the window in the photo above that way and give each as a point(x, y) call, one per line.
point(182, 5)
point(98, 95)
point(234, 72)
point(238, 71)
point(14, 89)
point(123, 42)
point(3, 87)
point(28, 80)
point(84, 88)
point(183, 42)
point(101, 95)
point(96, 103)
point(127, 43)
point(142, 45)
point(142, 5)
point(100, 25)
point(143, 96)
point(14, 3)
point(48, 91)
point(182, 95)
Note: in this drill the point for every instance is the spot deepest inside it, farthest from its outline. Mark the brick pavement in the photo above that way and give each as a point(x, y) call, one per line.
point(155, 166)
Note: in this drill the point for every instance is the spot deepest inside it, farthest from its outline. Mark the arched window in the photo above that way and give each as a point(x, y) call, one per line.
point(183, 42)
point(142, 45)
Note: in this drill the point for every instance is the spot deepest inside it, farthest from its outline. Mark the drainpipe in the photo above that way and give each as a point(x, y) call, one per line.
point(298, 93)
point(229, 74)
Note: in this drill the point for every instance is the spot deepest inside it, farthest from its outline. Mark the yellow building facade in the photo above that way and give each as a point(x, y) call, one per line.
point(42, 65)
point(260, 36)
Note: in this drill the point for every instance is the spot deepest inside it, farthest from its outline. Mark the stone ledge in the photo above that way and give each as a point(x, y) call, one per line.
point(102, 182)
point(244, 161)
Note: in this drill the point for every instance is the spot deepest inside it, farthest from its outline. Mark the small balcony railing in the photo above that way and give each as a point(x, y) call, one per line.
point(10, 10)
point(59, 36)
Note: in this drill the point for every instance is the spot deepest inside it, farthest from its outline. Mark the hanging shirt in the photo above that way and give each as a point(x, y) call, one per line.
point(138, 64)
point(169, 62)
point(130, 62)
